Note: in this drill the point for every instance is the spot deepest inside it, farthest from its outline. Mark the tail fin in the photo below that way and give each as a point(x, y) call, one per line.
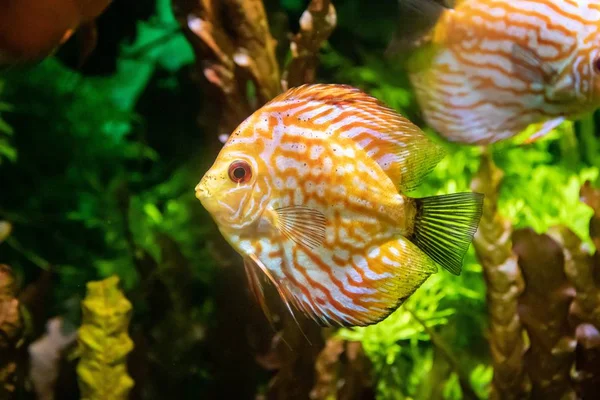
point(445, 225)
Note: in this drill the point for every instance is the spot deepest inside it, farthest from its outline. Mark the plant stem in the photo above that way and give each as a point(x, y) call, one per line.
point(34, 258)
point(589, 140)
point(568, 148)
point(440, 344)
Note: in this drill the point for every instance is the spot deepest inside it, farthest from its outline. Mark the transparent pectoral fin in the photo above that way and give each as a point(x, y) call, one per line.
point(545, 129)
point(304, 226)
point(529, 67)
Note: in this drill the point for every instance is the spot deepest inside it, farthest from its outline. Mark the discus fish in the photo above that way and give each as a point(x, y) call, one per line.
point(309, 191)
point(31, 30)
point(491, 68)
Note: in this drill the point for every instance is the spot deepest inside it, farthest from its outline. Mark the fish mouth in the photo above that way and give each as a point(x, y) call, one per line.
point(208, 200)
point(201, 192)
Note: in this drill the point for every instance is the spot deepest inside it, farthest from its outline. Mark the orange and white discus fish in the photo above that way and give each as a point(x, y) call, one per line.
point(490, 68)
point(308, 190)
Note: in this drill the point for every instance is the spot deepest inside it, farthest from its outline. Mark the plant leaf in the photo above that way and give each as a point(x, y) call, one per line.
point(104, 342)
point(5, 230)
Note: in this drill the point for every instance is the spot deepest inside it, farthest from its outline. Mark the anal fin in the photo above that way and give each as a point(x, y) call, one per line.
point(405, 267)
point(256, 287)
point(252, 263)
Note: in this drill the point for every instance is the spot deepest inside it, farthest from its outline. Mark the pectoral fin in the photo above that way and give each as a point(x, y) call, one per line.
point(305, 226)
point(545, 129)
point(557, 82)
point(529, 67)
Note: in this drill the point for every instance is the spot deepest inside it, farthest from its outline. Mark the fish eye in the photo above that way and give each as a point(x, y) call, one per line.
point(239, 171)
point(597, 65)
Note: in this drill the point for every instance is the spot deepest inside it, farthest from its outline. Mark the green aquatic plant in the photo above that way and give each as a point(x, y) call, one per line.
point(541, 185)
point(104, 342)
point(7, 150)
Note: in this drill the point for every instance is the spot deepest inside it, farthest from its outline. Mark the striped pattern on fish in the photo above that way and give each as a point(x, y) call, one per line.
point(322, 215)
point(290, 134)
point(497, 66)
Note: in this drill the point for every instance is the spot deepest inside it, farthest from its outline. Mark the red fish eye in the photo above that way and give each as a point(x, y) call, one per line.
point(597, 65)
point(239, 171)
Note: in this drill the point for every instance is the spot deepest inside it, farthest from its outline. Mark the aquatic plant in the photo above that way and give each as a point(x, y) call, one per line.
point(7, 150)
point(11, 331)
point(104, 342)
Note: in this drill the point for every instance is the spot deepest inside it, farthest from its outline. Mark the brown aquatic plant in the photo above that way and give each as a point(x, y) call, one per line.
point(343, 371)
point(543, 300)
point(226, 61)
point(581, 268)
point(544, 311)
point(504, 280)
point(11, 332)
point(234, 47)
point(316, 24)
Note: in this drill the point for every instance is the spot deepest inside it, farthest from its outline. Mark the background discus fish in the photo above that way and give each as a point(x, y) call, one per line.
point(308, 190)
point(31, 30)
point(490, 68)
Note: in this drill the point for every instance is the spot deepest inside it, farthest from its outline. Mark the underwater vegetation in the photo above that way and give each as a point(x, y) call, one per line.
point(116, 283)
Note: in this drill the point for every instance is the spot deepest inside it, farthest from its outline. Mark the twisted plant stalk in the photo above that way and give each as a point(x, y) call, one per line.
point(547, 287)
point(544, 311)
point(493, 246)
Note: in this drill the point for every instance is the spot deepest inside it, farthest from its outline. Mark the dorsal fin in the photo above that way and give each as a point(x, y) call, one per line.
point(399, 147)
point(417, 26)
